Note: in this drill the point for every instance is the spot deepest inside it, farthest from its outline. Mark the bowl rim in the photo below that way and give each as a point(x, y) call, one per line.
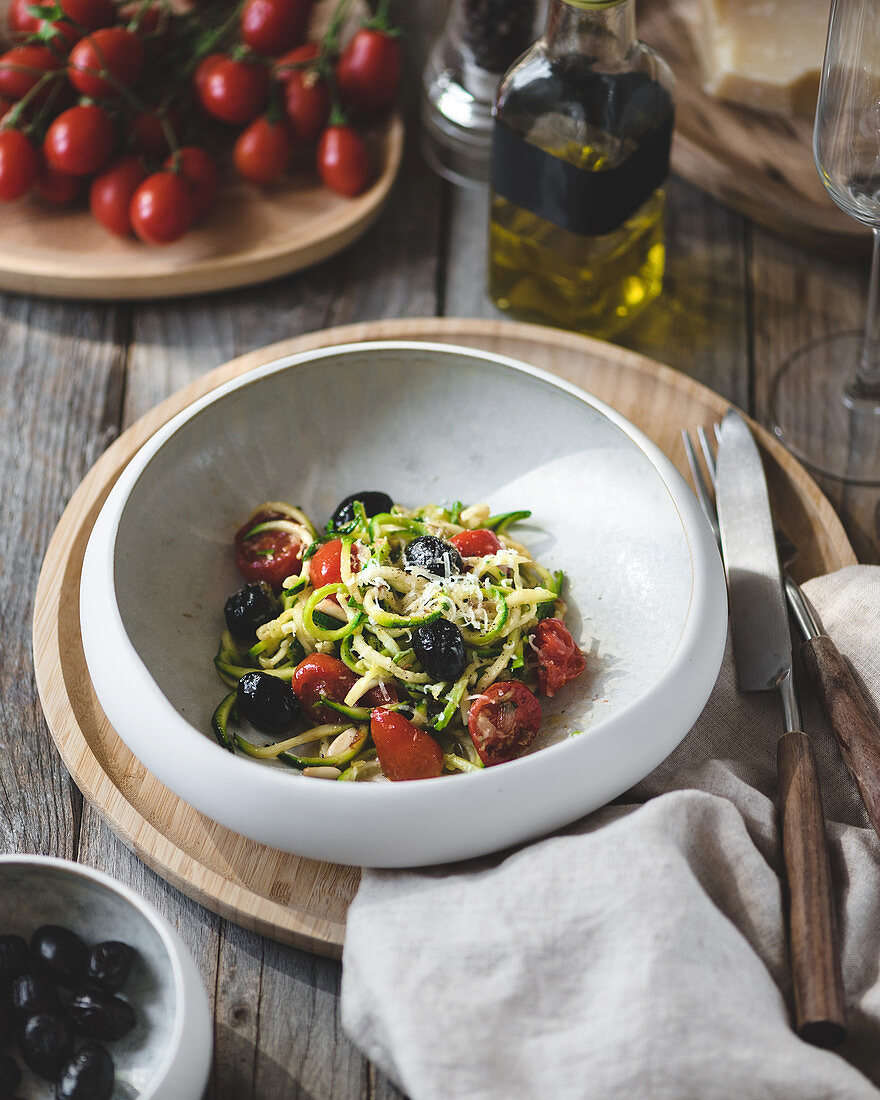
point(705, 563)
point(156, 921)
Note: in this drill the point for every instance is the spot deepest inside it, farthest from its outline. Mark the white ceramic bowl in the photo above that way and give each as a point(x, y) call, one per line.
point(167, 1055)
point(426, 423)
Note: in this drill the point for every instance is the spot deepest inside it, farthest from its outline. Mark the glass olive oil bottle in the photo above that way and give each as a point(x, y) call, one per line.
point(580, 154)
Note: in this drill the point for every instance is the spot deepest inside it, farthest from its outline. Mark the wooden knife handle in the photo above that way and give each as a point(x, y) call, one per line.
point(820, 1009)
point(854, 727)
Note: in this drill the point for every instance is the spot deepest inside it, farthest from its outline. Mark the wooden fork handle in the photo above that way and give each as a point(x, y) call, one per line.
point(820, 1009)
point(854, 727)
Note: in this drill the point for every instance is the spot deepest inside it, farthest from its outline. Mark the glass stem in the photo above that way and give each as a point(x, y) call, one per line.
point(867, 382)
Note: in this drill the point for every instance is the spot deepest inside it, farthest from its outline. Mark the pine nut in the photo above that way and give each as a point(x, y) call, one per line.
point(322, 772)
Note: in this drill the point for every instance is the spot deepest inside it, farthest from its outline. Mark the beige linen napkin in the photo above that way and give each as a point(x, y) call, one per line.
point(640, 952)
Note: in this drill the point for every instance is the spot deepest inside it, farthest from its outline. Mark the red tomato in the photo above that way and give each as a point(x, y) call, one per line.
point(322, 675)
point(234, 91)
point(262, 152)
point(325, 567)
point(79, 141)
point(111, 192)
point(503, 721)
point(114, 51)
point(273, 26)
point(476, 544)
point(161, 208)
point(204, 69)
point(56, 187)
point(554, 655)
point(152, 24)
point(343, 161)
point(146, 132)
point(368, 71)
point(307, 103)
point(19, 19)
point(405, 751)
point(22, 67)
point(269, 556)
point(295, 60)
point(19, 165)
point(200, 172)
point(84, 16)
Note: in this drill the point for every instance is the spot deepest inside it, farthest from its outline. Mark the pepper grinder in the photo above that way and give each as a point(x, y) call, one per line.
point(481, 40)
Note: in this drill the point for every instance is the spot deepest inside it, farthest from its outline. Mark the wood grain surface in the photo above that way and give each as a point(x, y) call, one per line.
point(252, 234)
point(737, 301)
point(299, 901)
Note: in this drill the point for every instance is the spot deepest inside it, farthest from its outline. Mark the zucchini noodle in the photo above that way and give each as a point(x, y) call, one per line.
point(367, 619)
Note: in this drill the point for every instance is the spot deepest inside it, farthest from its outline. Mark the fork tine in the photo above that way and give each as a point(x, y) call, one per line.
point(708, 452)
point(700, 486)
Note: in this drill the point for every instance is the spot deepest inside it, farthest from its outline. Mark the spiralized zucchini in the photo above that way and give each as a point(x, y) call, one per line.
point(367, 620)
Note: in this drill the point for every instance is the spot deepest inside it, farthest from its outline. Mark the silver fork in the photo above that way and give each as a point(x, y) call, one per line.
point(855, 728)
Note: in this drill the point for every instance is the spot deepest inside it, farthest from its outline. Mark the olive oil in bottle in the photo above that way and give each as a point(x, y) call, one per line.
point(580, 154)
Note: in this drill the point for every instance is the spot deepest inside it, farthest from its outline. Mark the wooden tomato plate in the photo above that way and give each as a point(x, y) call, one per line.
point(295, 900)
point(759, 164)
point(252, 233)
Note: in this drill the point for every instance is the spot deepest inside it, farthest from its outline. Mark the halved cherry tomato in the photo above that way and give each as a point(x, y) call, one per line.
point(19, 164)
point(80, 140)
point(56, 187)
point(22, 67)
point(269, 556)
point(111, 192)
point(263, 150)
point(476, 544)
point(234, 91)
point(322, 675)
point(325, 567)
point(200, 172)
point(503, 721)
point(368, 71)
point(273, 26)
point(114, 50)
point(554, 655)
point(405, 751)
point(343, 161)
point(161, 208)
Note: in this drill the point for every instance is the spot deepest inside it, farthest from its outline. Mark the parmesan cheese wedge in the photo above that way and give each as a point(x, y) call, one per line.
point(765, 54)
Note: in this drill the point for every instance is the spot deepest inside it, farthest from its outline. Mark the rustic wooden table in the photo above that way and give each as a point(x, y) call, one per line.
point(738, 300)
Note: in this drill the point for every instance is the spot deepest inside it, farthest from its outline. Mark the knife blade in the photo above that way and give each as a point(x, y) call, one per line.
point(763, 655)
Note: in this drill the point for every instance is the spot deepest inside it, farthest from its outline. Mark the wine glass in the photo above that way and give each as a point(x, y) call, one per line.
point(825, 401)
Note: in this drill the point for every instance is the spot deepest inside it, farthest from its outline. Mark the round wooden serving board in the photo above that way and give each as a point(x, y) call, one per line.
point(252, 234)
point(296, 900)
point(759, 164)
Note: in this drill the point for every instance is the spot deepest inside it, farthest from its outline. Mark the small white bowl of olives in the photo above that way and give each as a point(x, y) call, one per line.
point(99, 998)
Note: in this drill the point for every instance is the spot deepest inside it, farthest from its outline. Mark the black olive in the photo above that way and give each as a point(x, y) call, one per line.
point(33, 993)
point(433, 555)
point(373, 501)
point(87, 1076)
point(255, 605)
point(13, 957)
point(101, 1015)
point(10, 1074)
point(46, 1045)
point(439, 647)
point(109, 964)
point(60, 954)
point(266, 702)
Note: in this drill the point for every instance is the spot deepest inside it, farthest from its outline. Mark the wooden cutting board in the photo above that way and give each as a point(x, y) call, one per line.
point(294, 900)
point(759, 164)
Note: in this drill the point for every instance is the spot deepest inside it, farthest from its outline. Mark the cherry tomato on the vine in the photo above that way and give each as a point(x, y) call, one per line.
point(476, 544)
point(203, 70)
point(161, 208)
point(19, 19)
point(113, 50)
point(503, 721)
point(273, 26)
point(111, 192)
point(80, 140)
point(235, 91)
point(343, 160)
point(200, 172)
point(262, 152)
point(405, 751)
point(322, 675)
point(295, 60)
point(307, 103)
point(368, 71)
point(148, 131)
point(19, 165)
point(555, 656)
point(271, 555)
point(56, 188)
point(22, 67)
point(92, 15)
